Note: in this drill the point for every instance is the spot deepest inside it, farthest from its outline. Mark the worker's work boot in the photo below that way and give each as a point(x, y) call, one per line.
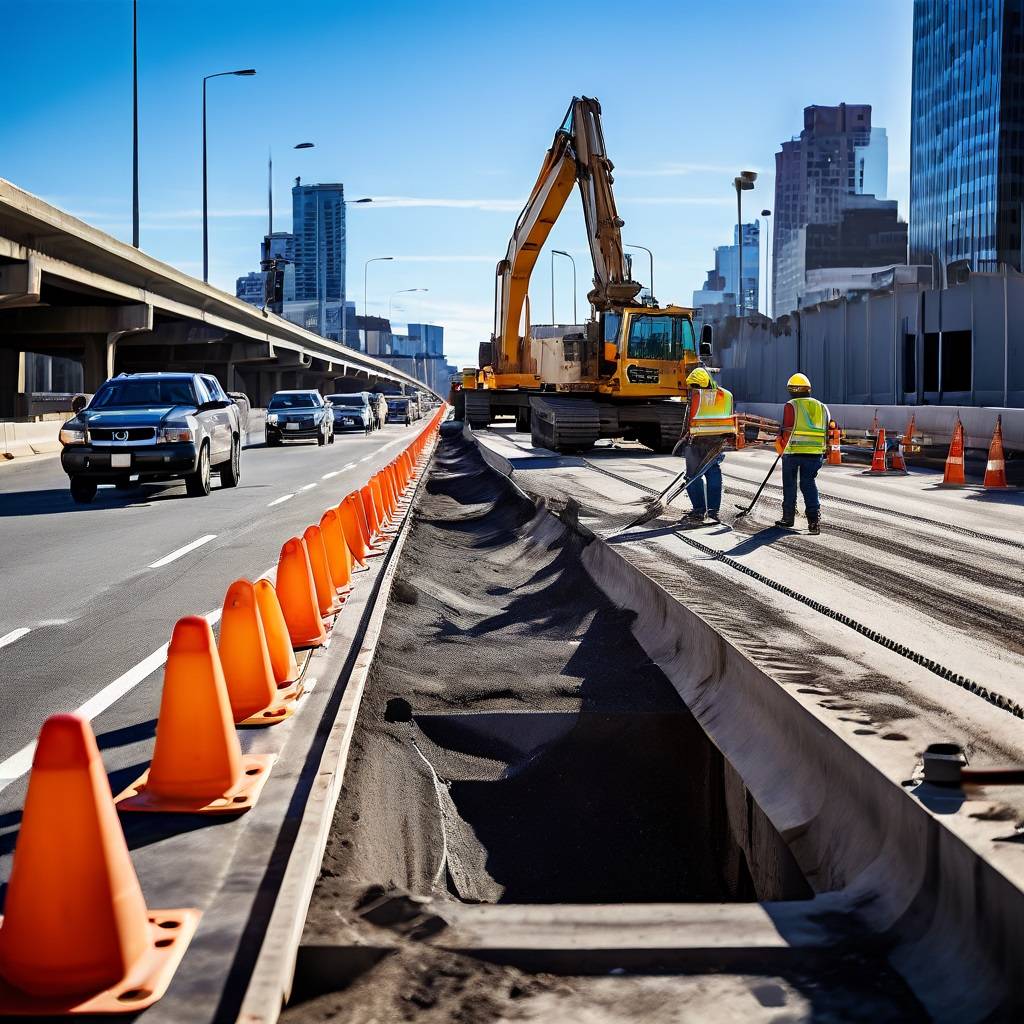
point(786, 522)
point(813, 525)
point(692, 519)
point(713, 515)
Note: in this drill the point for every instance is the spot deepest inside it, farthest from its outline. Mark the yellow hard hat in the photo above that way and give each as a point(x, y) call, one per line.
point(699, 377)
point(798, 382)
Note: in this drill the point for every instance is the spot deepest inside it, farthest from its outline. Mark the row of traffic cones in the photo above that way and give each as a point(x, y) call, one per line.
point(995, 466)
point(76, 936)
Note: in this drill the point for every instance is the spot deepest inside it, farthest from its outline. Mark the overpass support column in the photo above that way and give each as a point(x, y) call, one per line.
point(98, 364)
point(12, 384)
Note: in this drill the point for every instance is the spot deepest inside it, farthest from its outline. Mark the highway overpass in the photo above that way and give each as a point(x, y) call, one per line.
point(68, 289)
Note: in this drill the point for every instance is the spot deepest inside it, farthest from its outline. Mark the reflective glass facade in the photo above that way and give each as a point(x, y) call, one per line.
point(318, 227)
point(967, 133)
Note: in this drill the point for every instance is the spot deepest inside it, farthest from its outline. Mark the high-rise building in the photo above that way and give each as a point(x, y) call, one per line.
point(318, 227)
point(838, 155)
point(250, 288)
point(721, 289)
point(966, 134)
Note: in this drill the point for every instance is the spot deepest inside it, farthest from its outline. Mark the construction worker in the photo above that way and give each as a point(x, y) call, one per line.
point(709, 423)
point(802, 444)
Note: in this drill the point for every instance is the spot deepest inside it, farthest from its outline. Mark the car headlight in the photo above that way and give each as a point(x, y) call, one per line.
point(272, 418)
point(171, 435)
point(73, 435)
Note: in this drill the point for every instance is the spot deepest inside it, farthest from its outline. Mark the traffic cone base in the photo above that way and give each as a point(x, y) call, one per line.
point(280, 708)
point(145, 983)
point(240, 797)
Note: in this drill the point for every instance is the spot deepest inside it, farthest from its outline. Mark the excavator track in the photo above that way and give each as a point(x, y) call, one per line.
point(477, 407)
point(564, 424)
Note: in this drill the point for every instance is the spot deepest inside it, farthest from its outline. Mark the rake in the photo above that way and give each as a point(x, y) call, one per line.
point(654, 507)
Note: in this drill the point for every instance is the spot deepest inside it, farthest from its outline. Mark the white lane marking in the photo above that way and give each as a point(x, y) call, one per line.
point(338, 472)
point(17, 764)
point(306, 487)
point(15, 634)
point(205, 539)
point(277, 501)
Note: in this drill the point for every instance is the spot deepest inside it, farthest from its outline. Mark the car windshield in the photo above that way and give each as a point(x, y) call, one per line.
point(660, 337)
point(125, 394)
point(292, 402)
point(350, 400)
point(399, 404)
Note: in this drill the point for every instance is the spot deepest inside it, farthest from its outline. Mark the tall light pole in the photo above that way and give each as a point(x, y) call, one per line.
point(402, 291)
point(366, 267)
point(650, 257)
point(767, 262)
point(270, 183)
point(562, 252)
point(135, 123)
point(743, 183)
point(206, 230)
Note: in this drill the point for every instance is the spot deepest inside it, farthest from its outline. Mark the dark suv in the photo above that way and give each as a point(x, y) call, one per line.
point(299, 416)
point(154, 426)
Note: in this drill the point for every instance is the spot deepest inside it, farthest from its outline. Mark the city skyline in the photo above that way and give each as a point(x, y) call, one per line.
point(446, 187)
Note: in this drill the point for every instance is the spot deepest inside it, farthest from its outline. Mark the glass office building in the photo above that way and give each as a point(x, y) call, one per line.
point(318, 227)
point(967, 133)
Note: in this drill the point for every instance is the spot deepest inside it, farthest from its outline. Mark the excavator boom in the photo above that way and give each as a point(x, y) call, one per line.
point(577, 156)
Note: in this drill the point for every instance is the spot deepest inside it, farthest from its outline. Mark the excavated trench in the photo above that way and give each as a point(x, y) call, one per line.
point(516, 747)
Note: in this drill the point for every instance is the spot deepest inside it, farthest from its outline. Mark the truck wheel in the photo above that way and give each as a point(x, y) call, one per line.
point(197, 484)
point(231, 471)
point(82, 490)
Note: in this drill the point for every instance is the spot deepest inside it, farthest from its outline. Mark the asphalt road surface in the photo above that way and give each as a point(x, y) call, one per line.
point(89, 593)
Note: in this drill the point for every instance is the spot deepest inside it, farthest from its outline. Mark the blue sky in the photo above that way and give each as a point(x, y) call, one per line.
point(447, 109)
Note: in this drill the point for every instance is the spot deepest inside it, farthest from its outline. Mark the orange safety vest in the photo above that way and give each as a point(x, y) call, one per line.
point(711, 412)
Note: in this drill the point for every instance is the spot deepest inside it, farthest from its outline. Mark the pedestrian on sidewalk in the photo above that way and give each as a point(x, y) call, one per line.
point(802, 444)
point(709, 422)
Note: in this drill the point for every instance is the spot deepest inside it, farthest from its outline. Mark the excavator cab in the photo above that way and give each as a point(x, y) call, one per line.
point(647, 351)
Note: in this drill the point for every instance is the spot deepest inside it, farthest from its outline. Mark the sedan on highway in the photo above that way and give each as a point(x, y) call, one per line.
point(352, 411)
point(156, 426)
point(299, 416)
point(400, 410)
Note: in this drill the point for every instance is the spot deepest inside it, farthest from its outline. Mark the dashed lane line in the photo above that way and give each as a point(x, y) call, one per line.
point(278, 501)
point(15, 634)
point(167, 559)
point(306, 487)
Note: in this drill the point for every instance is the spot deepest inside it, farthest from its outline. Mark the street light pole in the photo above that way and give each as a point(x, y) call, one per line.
point(562, 252)
point(743, 183)
point(767, 262)
point(135, 123)
point(366, 267)
point(206, 231)
point(401, 291)
point(650, 258)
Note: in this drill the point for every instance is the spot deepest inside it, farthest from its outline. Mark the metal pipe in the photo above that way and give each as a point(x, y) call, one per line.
point(135, 123)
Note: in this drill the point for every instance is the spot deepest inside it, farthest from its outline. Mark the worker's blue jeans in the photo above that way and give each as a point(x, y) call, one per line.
point(806, 468)
point(695, 455)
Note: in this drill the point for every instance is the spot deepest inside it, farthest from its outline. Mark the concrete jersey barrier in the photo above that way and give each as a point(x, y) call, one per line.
point(21, 439)
point(934, 422)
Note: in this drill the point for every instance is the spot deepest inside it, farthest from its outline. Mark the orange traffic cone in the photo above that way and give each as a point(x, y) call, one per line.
point(372, 514)
point(76, 935)
point(326, 595)
point(339, 560)
point(878, 459)
point(350, 524)
point(835, 451)
point(297, 593)
point(995, 469)
point(953, 476)
point(383, 515)
point(275, 629)
point(897, 462)
point(245, 659)
point(197, 766)
point(908, 437)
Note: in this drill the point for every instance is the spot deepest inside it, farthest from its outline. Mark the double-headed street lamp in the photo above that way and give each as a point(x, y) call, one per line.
point(401, 291)
point(206, 231)
point(562, 252)
point(744, 182)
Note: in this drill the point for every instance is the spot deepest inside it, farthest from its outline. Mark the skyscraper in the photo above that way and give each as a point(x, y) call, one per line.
point(318, 226)
point(966, 138)
point(837, 155)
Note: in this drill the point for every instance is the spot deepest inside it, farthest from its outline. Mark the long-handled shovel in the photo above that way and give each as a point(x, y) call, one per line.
point(655, 506)
point(744, 511)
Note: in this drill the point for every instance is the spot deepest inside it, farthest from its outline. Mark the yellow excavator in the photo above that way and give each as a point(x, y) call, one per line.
point(623, 374)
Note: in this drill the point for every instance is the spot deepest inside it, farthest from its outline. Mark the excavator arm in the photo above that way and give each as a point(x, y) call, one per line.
point(577, 155)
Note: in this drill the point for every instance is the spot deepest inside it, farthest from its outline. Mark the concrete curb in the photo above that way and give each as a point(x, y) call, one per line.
point(271, 980)
point(878, 858)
